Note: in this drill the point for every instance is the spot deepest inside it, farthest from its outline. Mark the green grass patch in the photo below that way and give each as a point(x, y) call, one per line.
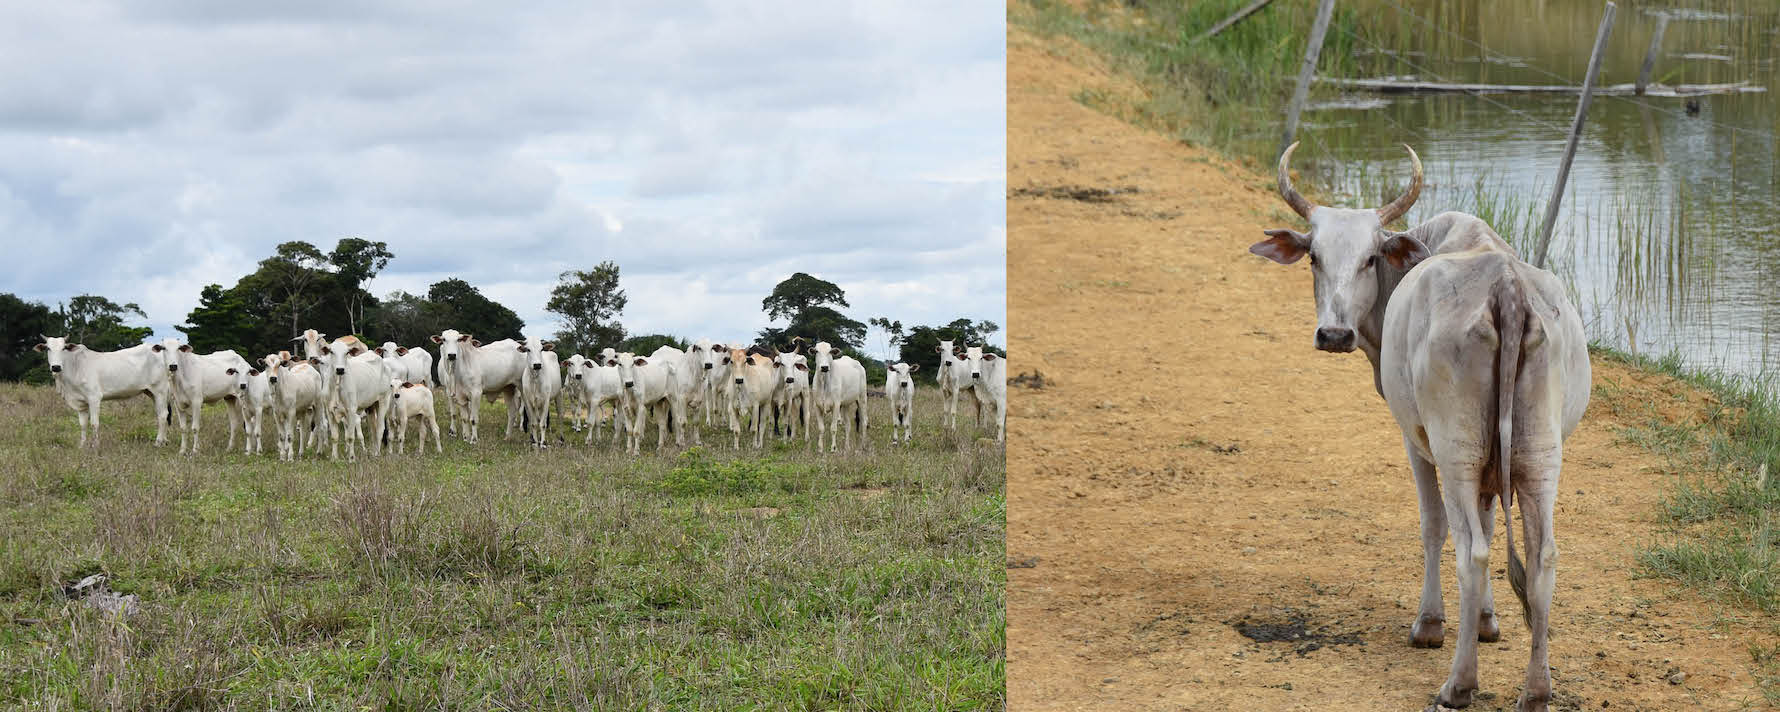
point(496, 577)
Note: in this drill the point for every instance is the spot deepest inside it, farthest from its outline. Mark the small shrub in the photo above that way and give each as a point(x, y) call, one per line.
point(695, 473)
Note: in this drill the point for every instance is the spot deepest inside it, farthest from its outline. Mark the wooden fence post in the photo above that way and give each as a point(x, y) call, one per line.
point(1231, 20)
point(1324, 11)
point(1557, 190)
point(1656, 43)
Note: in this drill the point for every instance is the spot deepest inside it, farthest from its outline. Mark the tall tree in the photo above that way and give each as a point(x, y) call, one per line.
point(224, 319)
point(803, 299)
point(459, 305)
point(98, 323)
point(22, 326)
point(922, 344)
point(892, 334)
point(404, 318)
point(294, 275)
point(356, 261)
point(647, 344)
point(589, 303)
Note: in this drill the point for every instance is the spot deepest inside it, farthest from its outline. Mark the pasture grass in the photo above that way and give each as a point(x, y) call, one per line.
point(494, 576)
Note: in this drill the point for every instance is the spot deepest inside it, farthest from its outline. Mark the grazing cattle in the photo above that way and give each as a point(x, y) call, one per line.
point(899, 389)
point(412, 365)
point(539, 382)
point(253, 391)
point(954, 381)
point(196, 380)
point(1482, 360)
point(409, 402)
point(651, 388)
point(478, 369)
point(86, 378)
point(354, 384)
point(598, 385)
point(988, 383)
point(839, 386)
point(751, 386)
point(791, 393)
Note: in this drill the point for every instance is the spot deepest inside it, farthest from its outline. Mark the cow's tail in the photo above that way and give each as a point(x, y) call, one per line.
point(1511, 327)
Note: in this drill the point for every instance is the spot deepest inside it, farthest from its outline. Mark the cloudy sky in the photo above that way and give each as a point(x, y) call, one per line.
point(710, 149)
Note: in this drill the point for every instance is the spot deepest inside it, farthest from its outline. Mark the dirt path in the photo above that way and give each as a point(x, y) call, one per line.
point(1192, 463)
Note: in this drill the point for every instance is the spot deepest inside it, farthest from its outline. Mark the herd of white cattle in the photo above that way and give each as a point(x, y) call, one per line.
point(336, 390)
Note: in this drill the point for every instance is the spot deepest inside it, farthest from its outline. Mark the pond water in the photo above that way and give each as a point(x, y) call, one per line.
point(1669, 235)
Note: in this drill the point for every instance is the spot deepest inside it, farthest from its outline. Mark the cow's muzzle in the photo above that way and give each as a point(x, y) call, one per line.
point(537, 367)
point(707, 367)
point(976, 374)
point(577, 376)
point(272, 379)
point(242, 386)
point(339, 371)
point(823, 369)
point(172, 367)
point(790, 380)
point(630, 384)
point(738, 381)
point(450, 357)
point(55, 369)
point(1334, 339)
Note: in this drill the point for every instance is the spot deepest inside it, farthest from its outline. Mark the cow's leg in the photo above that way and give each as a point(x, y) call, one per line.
point(438, 442)
point(1487, 629)
point(1472, 549)
point(474, 406)
point(197, 407)
point(1537, 500)
point(1428, 631)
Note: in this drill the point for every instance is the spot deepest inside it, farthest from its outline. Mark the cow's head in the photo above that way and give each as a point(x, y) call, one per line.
point(169, 351)
point(979, 362)
point(899, 373)
point(240, 377)
point(271, 362)
point(707, 353)
point(312, 341)
point(534, 351)
point(947, 352)
point(451, 343)
point(57, 349)
point(628, 364)
point(336, 355)
point(575, 366)
point(790, 367)
point(735, 363)
point(824, 356)
point(1347, 247)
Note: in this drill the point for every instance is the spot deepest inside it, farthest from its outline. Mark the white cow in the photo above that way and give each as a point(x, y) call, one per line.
point(839, 387)
point(253, 393)
point(791, 394)
point(355, 384)
point(478, 370)
point(751, 383)
point(1482, 360)
point(988, 381)
point(899, 389)
point(196, 380)
point(597, 386)
point(954, 377)
point(703, 357)
point(414, 364)
point(687, 379)
point(539, 383)
point(85, 378)
point(570, 398)
point(409, 402)
point(651, 388)
point(299, 401)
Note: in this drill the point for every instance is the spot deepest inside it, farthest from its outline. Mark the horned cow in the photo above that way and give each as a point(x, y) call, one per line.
point(1482, 360)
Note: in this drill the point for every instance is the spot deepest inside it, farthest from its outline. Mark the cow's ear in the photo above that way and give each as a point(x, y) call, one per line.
point(1403, 251)
point(157, 348)
point(550, 346)
point(523, 349)
point(314, 361)
point(640, 362)
point(327, 350)
point(565, 364)
point(406, 384)
point(230, 372)
point(988, 357)
point(40, 348)
point(401, 351)
point(185, 347)
point(1282, 246)
point(913, 367)
point(463, 337)
point(719, 347)
point(253, 372)
point(475, 343)
point(355, 350)
point(436, 339)
point(802, 367)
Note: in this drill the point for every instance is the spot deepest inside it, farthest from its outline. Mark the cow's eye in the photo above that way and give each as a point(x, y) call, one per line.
point(1313, 260)
point(1371, 261)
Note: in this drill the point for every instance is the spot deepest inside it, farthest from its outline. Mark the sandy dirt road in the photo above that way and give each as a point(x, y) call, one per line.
point(1192, 463)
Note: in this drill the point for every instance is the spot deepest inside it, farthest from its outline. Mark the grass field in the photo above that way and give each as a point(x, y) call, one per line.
point(495, 577)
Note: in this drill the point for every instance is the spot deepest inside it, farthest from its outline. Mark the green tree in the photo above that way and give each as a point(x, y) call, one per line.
point(295, 279)
point(648, 343)
point(22, 326)
point(893, 333)
point(803, 299)
point(98, 323)
point(224, 319)
point(355, 262)
point(407, 319)
point(457, 304)
point(922, 343)
point(589, 303)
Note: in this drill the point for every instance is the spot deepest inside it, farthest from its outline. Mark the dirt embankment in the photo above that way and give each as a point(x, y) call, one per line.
point(1192, 469)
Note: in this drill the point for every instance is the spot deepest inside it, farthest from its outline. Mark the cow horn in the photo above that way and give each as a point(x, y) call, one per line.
point(1298, 202)
point(1396, 208)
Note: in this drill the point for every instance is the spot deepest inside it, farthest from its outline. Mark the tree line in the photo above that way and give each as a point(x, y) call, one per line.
point(302, 287)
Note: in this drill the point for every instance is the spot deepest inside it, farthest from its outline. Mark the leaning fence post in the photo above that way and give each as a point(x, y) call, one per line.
point(1324, 11)
point(1656, 43)
point(1588, 85)
point(1231, 20)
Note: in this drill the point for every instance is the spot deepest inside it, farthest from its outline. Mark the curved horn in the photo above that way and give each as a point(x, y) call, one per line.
point(1298, 202)
point(1396, 208)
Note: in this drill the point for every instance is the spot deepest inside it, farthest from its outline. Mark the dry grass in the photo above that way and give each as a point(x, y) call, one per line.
point(498, 577)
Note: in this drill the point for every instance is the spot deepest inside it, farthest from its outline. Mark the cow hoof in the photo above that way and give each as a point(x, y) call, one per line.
point(1533, 703)
point(1428, 632)
point(1452, 700)
point(1487, 630)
